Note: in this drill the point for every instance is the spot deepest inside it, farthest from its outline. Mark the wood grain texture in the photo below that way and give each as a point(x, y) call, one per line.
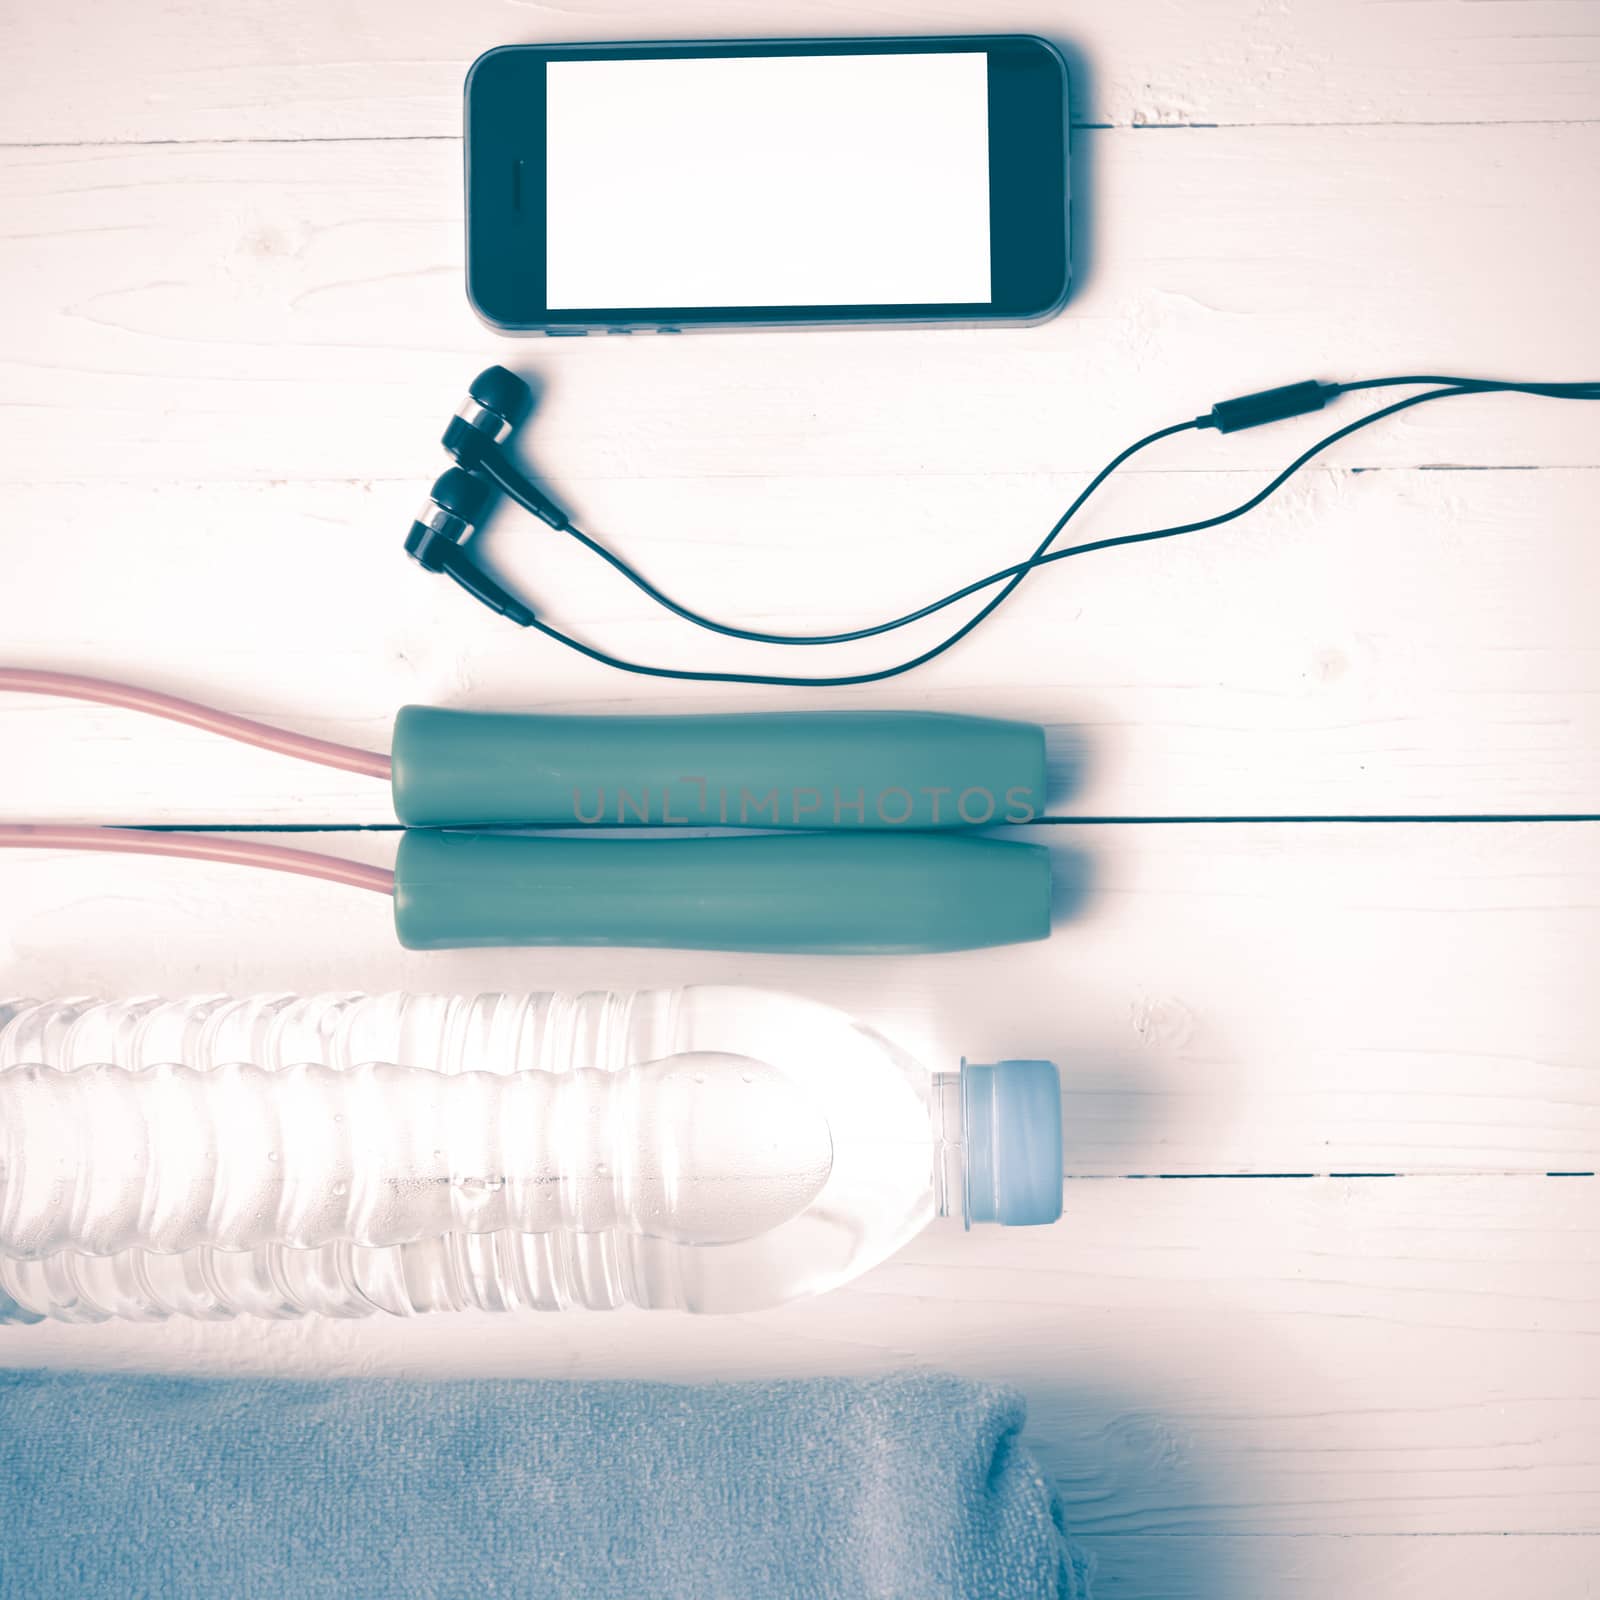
point(1221, 999)
point(1337, 1566)
point(359, 68)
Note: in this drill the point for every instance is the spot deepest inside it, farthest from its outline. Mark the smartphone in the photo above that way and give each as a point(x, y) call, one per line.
point(667, 186)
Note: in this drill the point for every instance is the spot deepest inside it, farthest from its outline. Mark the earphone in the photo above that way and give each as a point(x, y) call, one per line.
point(498, 402)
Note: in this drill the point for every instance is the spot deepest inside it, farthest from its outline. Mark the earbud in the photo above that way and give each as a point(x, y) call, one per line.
point(497, 402)
point(456, 504)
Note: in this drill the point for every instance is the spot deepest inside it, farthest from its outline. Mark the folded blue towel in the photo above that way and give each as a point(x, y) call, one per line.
point(913, 1485)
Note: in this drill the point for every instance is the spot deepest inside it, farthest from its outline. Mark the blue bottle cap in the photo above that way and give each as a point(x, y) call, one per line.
point(1011, 1117)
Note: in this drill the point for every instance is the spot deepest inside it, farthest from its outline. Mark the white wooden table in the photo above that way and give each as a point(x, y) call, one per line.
point(1335, 767)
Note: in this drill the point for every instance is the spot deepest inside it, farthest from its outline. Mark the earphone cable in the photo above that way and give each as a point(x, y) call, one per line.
point(517, 488)
point(1043, 555)
point(520, 489)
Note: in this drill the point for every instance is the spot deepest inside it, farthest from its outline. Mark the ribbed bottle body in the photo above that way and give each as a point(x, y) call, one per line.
point(708, 1149)
point(104, 1159)
point(487, 1032)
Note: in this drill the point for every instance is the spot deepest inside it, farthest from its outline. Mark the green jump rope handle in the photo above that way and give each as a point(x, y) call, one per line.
point(837, 893)
point(799, 769)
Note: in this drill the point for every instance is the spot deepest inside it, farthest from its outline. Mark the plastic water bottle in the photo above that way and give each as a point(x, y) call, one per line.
point(705, 1149)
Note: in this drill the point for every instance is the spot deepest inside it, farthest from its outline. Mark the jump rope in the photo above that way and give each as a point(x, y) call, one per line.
point(866, 870)
point(866, 845)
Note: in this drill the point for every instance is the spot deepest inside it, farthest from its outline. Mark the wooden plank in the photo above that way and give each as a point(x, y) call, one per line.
point(290, 311)
point(1336, 1566)
point(1410, 1356)
point(1374, 643)
point(362, 68)
point(1221, 1000)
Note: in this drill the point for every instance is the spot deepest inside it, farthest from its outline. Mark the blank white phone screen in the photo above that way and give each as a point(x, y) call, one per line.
point(768, 181)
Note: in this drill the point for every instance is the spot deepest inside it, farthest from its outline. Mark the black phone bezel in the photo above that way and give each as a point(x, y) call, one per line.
point(505, 172)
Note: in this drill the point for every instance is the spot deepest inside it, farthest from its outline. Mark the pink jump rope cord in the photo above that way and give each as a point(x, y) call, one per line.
point(24, 680)
point(197, 846)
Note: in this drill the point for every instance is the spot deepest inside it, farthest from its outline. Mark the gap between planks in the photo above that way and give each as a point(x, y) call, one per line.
point(1076, 127)
point(1303, 819)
